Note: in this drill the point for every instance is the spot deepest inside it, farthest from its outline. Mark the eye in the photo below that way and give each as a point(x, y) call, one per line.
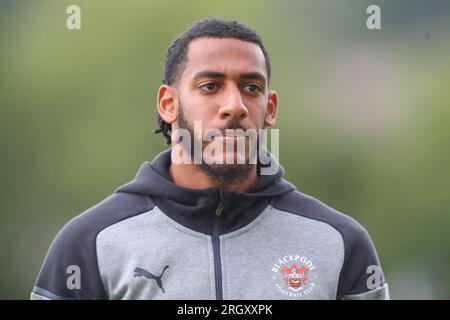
point(209, 87)
point(253, 88)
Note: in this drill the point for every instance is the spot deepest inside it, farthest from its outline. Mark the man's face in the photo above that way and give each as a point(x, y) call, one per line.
point(224, 86)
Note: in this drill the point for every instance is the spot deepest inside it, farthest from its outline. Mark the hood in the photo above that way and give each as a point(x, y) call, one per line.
point(195, 208)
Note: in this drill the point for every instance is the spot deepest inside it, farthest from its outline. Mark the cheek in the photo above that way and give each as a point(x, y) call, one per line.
point(203, 112)
point(257, 117)
point(256, 108)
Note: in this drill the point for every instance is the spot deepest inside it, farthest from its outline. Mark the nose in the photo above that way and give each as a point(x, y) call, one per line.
point(233, 108)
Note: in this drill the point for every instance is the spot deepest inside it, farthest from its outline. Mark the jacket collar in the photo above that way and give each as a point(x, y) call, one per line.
point(195, 208)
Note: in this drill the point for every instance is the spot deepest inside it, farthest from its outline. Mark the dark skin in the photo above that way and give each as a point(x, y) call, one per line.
point(224, 80)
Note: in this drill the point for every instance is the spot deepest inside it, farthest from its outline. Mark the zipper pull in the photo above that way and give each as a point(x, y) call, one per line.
point(219, 209)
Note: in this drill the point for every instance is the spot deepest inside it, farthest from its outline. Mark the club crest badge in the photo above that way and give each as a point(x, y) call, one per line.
point(294, 276)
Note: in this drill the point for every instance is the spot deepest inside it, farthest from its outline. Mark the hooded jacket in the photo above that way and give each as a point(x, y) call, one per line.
point(153, 239)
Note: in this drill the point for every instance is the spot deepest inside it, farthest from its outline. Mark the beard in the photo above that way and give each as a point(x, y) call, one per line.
point(222, 174)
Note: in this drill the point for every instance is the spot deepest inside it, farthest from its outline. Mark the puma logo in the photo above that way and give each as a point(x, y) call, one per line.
point(139, 272)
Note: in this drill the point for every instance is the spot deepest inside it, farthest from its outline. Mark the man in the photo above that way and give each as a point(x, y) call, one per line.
point(190, 226)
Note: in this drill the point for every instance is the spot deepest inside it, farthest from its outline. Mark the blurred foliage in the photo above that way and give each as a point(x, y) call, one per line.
point(364, 118)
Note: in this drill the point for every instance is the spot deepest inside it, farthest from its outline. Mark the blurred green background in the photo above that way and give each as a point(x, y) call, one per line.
point(364, 118)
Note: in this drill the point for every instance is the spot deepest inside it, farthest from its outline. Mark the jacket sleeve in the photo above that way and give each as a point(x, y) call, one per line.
point(361, 277)
point(70, 270)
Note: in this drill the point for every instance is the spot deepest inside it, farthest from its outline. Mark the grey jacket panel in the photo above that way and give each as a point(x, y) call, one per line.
point(176, 261)
point(253, 258)
point(259, 258)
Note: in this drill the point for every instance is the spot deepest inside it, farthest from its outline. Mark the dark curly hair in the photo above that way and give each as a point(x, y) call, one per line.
point(177, 53)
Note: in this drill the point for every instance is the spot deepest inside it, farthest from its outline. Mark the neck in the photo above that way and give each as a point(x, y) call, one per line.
point(190, 176)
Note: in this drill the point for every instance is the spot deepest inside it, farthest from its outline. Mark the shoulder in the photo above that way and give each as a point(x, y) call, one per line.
point(75, 245)
point(307, 206)
point(113, 209)
point(80, 233)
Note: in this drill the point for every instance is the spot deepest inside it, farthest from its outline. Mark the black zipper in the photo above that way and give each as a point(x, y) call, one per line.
point(216, 248)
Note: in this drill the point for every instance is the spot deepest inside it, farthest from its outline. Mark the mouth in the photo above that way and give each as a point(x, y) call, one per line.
point(228, 138)
point(232, 134)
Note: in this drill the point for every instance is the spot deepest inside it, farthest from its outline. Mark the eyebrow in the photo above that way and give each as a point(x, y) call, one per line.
point(216, 74)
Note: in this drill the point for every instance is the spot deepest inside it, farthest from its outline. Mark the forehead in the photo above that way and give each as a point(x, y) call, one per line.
point(230, 56)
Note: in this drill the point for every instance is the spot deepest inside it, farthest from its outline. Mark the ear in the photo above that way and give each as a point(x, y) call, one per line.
point(167, 101)
point(272, 108)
